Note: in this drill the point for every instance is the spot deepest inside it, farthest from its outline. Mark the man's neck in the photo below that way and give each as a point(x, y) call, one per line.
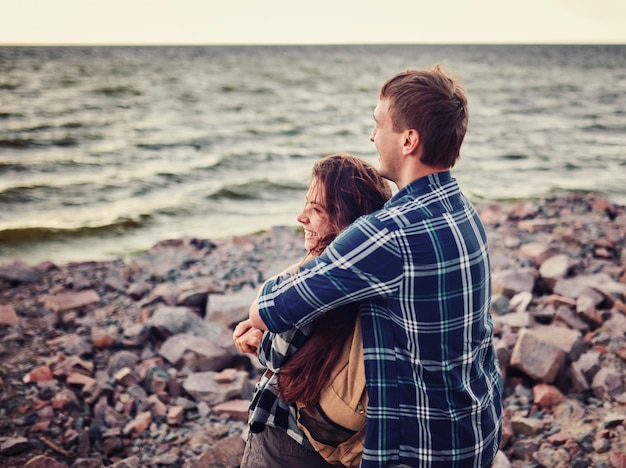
point(417, 172)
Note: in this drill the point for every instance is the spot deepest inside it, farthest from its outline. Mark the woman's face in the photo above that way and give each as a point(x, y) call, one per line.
point(314, 217)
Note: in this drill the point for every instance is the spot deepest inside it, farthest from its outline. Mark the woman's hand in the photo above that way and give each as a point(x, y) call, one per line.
point(247, 338)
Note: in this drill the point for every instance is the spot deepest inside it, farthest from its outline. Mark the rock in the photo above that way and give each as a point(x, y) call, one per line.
point(42, 461)
point(168, 321)
point(130, 462)
point(141, 423)
point(8, 315)
point(13, 445)
point(566, 339)
point(557, 458)
point(607, 384)
point(528, 427)
point(547, 396)
point(19, 274)
point(70, 300)
point(501, 461)
point(514, 321)
point(112, 399)
point(514, 281)
point(554, 268)
point(537, 357)
point(138, 290)
point(202, 386)
point(231, 308)
point(195, 353)
point(538, 253)
point(39, 374)
point(195, 293)
point(120, 360)
point(237, 409)
point(226, 453)
point(71, 344)
point(175, 415)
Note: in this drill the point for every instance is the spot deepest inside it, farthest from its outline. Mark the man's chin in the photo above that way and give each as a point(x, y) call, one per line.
point(383, 173)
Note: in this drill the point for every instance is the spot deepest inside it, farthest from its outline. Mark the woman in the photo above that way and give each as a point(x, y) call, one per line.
point(343, 188)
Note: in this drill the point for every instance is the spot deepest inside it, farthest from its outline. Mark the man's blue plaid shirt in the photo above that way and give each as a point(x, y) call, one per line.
point(419, 269)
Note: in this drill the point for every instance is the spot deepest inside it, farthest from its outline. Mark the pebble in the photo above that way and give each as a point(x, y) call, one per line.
point(130, 362)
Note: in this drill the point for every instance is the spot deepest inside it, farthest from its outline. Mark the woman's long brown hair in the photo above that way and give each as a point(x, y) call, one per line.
point(351, 188)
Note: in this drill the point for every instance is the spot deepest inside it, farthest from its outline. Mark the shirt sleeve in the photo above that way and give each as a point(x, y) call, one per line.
point(277, 348)
point(363, 262)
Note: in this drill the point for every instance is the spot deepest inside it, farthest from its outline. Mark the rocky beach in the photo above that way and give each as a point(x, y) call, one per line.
point(130, 363)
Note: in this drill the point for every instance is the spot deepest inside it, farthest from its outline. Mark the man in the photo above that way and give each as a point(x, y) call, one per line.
point(419, 269)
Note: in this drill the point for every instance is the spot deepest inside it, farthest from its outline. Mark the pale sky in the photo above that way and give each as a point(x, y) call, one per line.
point(175, 22)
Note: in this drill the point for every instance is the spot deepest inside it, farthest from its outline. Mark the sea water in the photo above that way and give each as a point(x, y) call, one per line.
point(106, 150)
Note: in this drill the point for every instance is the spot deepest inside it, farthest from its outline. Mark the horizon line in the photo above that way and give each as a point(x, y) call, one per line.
point(260, 44)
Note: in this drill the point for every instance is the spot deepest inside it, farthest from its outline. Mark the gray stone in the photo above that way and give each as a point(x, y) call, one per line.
point(230, 308)
point(564, 338)
point(554, 268)
point(539, 359)
point(607, 384)
point(202, 386)
point(20, 274)
point(196, 353)
point(513, 281)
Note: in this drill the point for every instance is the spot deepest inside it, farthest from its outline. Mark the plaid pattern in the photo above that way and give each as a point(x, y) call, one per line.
point(267, 408)
point(419, 269)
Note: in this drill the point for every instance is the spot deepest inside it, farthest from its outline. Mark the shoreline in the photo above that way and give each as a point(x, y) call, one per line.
point(111, 248)
point(129, 361)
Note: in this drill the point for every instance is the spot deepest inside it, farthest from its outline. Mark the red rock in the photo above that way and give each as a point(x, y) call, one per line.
point(70, 300)
point(175, 415)
point(157, 407)
point(226, 376)
point(39, 374)
point(536, 357)
point(534, 225)
point(40, 426)
point(42, 461)
point(237, 409)
point(226, 452)
point(76, 378)
point(546, 396)
point(618, 459)
point(8, 315)
point(141, 422)
point(536, 252)
point(102, 339)
point(560, 438)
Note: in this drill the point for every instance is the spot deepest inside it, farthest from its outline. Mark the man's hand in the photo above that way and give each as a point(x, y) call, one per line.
point(247, 338)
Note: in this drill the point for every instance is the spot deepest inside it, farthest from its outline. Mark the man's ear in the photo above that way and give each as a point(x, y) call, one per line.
point(411, 141)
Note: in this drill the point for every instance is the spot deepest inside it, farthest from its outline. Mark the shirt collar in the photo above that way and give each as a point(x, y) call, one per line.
point(423, 185)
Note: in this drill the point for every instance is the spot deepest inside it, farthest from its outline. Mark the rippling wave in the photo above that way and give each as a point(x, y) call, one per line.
point(108, 149)
point(41, 234)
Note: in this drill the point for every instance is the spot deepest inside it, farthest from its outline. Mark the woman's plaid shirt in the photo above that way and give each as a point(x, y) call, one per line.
point(267, 407)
